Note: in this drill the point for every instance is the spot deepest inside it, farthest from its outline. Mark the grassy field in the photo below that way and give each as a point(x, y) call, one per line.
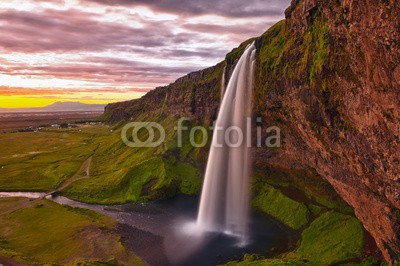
point(43, 232)
point(40, 161)
point(121, 174)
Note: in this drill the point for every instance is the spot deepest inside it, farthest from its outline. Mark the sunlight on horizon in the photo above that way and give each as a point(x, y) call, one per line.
point(22, 102)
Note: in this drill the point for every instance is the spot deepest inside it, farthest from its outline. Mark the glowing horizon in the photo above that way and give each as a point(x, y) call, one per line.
point(27, 102)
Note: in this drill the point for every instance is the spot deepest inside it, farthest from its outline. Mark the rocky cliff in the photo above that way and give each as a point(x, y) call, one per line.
point(329, 77)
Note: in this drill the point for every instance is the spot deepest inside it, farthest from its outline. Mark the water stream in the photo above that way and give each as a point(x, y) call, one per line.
point(224, 205)
point(156, 231)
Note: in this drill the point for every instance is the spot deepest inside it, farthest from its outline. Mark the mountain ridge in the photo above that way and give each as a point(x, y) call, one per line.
point(328, 76)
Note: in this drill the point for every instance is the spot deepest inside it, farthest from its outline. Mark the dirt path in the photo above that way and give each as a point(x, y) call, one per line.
point(82, 173)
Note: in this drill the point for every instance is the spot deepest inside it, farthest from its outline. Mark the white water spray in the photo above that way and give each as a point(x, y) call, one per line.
point(223, 84)
point(224, 204)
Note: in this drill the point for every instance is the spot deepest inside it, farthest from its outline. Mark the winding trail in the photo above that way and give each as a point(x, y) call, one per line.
point(82, 173)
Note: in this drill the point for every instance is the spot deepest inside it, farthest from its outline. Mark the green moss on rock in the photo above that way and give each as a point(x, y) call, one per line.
point(331, 238)
point(292, 213)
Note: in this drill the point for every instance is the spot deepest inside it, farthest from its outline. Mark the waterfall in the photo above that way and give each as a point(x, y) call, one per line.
point(225, 197)
point(223, 84)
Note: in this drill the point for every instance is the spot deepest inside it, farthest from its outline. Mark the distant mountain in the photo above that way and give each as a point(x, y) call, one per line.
point(58, 107)
point(74, 106)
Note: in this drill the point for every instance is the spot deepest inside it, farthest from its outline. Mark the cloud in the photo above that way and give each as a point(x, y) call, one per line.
point(77, 30)
point(73, 30)
point(22, 91)
point(121, 44)
point(225, 8)
point(100, 69)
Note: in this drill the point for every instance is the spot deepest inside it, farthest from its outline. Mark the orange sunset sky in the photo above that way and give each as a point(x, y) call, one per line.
point(96, 51)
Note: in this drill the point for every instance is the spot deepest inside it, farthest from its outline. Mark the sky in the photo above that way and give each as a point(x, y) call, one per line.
point(101, 51)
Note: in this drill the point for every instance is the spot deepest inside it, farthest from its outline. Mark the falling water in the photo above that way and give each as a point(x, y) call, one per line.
point(223, 84)
point(224, 201)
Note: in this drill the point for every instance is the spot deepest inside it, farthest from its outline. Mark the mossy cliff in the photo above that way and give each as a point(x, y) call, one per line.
point(329, 77)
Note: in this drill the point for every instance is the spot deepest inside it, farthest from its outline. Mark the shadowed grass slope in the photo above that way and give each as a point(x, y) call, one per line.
point(331, 238)
point(43, 232)
point(122, 174)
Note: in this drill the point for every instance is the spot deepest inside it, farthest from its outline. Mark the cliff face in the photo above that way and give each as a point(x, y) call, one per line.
point(337, 98)
point(329, 77)
point(194, 95)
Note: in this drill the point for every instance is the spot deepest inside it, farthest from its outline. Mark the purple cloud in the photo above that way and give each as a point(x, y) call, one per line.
point(103, 42)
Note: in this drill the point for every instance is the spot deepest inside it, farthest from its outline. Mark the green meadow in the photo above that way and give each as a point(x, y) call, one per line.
point(41, 231)
point(40, 161)
point(120, 174)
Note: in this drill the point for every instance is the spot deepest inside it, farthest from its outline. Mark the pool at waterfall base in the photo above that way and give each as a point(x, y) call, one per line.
point(170, 221)
point(164, 232)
